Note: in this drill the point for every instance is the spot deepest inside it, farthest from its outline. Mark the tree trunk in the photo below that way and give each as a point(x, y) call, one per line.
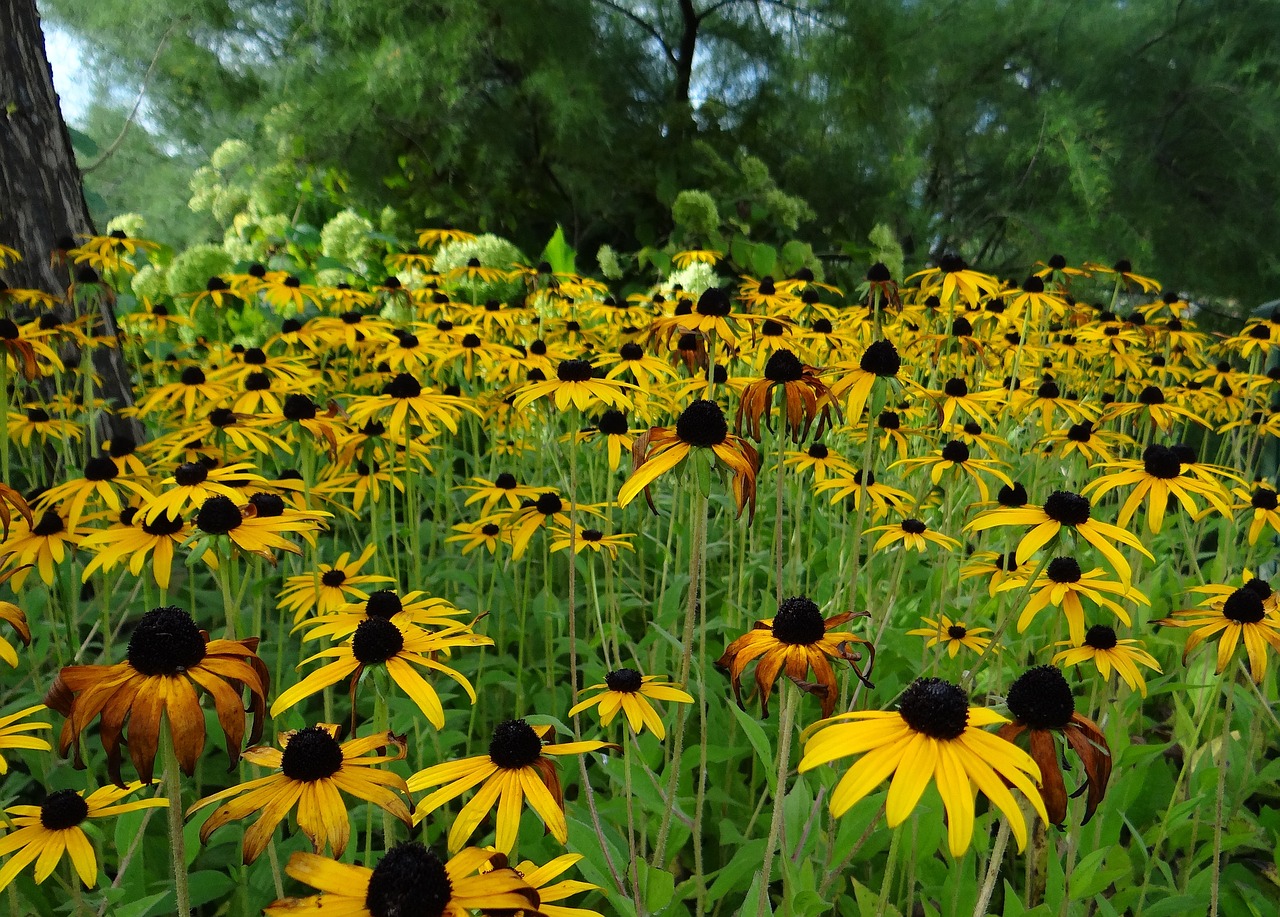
point(41, 196)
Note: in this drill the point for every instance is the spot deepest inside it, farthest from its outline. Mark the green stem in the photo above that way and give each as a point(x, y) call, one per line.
point(177, 844)
point(786, 725)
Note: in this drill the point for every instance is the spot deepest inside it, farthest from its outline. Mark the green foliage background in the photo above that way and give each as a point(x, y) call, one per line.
point(1004, 131)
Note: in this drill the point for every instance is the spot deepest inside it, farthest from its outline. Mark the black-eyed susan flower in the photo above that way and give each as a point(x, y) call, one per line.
point(404, 401)
point(648, 372)
point(42, 546)
point(935, 736)
point(503, 488)
point(859, 486)
point(712, 316)
point(1043, 708)
point(955, 458)
point(700, 426)
point(13, 734)
point(1242, 616)
point(409, 880)
point(312, 772)
point(953, 634)
point(1152, 404)
point(331, 586)
point(953, 280)
point(249, 528)
point(35, 422)
point(805, 397)
point(540, 878)
point(997, 567)
point(1263, 505)
point(168, 658)
point(45, 833)
point(548, 508)
point(1084, 439)
point(628, 691)
point(134, 541)
point(794, 642)
point(914, 535)
point(1124, 276)
point(515, 770)
point(1156, 479)
point(590, 539)
point(192, 389)
point(193, 483)
point(879, 363)
point(821, 461)
point(402, 648)
point(575, 385)
point(10, 500)
point(1101, 647)
point(483, 533)
point(416, 608)
point(1063, 584)
point(1063, 509)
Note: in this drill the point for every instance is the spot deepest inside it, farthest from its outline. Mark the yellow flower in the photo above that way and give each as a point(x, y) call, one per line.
point(11, 734)
point(935, 736)
point(628, 691)
point(43, 834)
point(953, 633)
point(409, 878)
point(313, 771)
point(515, 769)
point(1101, 646)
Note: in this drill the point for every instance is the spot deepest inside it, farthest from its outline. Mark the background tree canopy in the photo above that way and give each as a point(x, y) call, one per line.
point(1005, 131)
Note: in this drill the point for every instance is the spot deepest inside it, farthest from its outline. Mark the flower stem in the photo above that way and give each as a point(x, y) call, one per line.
point(993, 869)
point(786, 725)
point(1224, 757)
point(177, 844)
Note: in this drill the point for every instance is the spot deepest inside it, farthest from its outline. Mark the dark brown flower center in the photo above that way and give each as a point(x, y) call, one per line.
point(193, 375)
point(383, 604)
point(376, 640)
point(189, 474)
point(166, 642)
point(612, 423)
point(164, 524)
point(549, 504)
point(799, 622)
point(298, 407)
point(573, 371)
point(881, 358)
point(1244, 606)
point(268, 506)
point(714, 301)
point(1067, 508)
point(1151, 396)
point(50, 524)
point(1041, 698)
point(403, 386)
point(957, 632)
point(1161, 462)
point(955, 451)
point(783, 366)
point(100, 468)
point(1100, 637)
point(333, 577)
point(63, 809)
point(311, 754)
point(702, 424)
point(935, 707)
point(1064, 570)
point(218, 516)
point(1012, 496)
point(514, 745)
point(625, 681)
point(411, 881)
point(1264, 498)
point(913, 526)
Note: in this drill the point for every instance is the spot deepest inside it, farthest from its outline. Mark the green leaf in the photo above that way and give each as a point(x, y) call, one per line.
point(144, 906)
point(763, 259)
point(657, 886)
point(82, 143)
point(759, 741)
point(207, 885)
point(558, 253)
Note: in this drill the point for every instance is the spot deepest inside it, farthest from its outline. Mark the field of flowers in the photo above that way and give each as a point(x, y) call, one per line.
point(494, 587)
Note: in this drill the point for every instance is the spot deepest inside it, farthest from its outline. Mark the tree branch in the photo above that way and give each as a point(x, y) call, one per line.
point(644, 24)
point(137, 103)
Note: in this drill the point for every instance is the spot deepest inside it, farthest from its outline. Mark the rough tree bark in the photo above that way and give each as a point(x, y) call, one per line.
point(41, 195)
